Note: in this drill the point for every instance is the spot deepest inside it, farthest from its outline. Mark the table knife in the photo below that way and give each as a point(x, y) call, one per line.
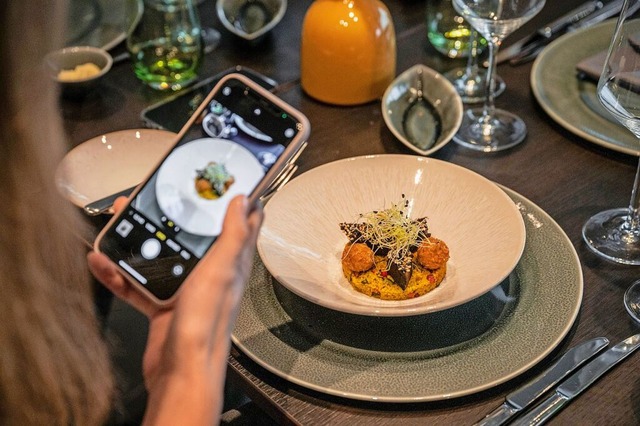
point(517, 401)
point(579, 381)
point(545, 34)
point(607, 11)
point(104, 204)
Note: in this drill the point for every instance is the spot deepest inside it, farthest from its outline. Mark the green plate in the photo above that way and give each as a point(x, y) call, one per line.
point(543, 301)
point(571, 102)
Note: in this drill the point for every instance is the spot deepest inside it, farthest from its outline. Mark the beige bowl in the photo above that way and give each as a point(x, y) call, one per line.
point(68, 59)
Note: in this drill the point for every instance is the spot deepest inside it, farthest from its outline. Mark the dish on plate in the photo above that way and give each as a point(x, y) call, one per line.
point(430, 128)
point(540, 317)
point(110, 163)
point(301, 243)
point(571, 102)
point(176, 190)
point(100, 23)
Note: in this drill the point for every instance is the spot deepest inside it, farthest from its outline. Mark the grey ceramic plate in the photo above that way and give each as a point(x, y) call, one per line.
point(573, 103)
point(100, 23)
point(545, 296)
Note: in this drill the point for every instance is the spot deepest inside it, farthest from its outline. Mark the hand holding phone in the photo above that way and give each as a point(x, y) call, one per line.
point(237, 142)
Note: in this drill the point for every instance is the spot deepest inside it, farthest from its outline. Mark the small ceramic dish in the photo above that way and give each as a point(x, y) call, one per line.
point(78, 69)
point(424, 124)
point(250, 19)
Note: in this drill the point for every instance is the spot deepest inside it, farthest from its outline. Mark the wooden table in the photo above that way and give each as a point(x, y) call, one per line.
point(568, 177)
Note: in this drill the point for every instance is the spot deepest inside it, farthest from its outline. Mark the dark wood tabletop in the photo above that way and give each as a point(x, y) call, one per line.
point(568, 177)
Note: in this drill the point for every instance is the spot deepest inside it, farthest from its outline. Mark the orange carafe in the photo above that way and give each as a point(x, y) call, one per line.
point(348, 53)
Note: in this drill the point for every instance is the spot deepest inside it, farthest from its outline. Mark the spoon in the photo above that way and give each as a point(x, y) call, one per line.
point(421, 122)
point(632, 301)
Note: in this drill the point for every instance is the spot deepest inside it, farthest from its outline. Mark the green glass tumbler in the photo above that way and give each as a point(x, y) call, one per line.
point(166, 44)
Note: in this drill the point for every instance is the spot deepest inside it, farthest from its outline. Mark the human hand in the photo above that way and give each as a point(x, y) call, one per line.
point(189, 342)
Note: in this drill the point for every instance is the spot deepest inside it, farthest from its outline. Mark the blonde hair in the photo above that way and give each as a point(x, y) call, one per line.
point(54, 366)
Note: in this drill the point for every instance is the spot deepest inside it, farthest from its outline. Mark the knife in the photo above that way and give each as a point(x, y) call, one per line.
point(579, 381)
point(545, 34)
point(103, 204)
point(520, 399)
point(608, 11)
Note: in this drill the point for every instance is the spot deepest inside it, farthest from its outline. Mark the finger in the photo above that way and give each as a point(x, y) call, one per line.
point(107, 273)
point(119, 204)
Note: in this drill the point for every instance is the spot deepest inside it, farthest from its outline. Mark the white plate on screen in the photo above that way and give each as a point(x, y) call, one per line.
point(539, 318)
point(111, 163)
point(175, 184)
point(301, 244)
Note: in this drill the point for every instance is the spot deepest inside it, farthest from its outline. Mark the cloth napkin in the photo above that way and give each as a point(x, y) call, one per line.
point(591, 67)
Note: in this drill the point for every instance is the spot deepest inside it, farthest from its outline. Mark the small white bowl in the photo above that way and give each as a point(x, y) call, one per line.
point(260, 16)
point(437, 91)
point(71, 57)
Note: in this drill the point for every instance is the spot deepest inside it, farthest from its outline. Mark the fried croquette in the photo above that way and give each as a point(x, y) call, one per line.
point(432, 253)
point(358, 257)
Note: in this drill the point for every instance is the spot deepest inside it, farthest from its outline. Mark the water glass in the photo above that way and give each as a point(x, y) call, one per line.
point(166, 44)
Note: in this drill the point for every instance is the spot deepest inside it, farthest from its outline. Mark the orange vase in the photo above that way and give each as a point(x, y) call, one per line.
point(348, 54)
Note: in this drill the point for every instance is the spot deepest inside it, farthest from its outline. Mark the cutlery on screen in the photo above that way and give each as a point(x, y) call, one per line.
point(542, 36)
point(517, 401)
point(579, 381)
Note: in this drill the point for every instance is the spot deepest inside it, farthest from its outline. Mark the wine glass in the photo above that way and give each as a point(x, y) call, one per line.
point(615, 234)
point(470, 80)
point(488, 128)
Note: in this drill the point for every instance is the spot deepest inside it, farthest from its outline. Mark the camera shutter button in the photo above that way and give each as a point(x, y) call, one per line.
point(150, 249)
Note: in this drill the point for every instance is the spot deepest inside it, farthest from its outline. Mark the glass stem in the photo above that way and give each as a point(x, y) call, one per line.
point(634, 204)
point(489, 105)
point(472, 60)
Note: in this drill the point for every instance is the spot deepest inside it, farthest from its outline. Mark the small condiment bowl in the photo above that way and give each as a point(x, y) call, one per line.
point(250, 19)
point(443, 101)
point(68, 59)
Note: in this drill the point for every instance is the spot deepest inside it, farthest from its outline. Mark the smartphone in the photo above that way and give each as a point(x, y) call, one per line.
point(237, 142)
point(172, 113)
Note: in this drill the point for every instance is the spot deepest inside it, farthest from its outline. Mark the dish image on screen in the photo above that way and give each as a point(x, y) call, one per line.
point(177, 191)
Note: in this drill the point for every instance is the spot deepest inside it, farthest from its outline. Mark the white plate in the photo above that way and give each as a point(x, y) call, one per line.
point(301, 244)
point(100, 23)
point(110, 163)
point(547, 289)
point(175, 185)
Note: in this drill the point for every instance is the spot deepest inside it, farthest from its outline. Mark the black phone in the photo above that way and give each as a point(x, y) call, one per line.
point(172, 113)
point(237, 142)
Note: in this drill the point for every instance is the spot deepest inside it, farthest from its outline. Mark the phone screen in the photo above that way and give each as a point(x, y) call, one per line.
point(177, 215)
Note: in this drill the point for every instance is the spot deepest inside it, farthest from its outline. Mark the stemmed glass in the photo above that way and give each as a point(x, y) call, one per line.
point(615, 234)
point(470, 80)
point(488, 128)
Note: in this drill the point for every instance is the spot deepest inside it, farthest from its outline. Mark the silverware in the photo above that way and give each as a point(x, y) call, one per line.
point(579, 381)
point(104, 205)
point(517, 401)
point(610, 10)
point(542, 36)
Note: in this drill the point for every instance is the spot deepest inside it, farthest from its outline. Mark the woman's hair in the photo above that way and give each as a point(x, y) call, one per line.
point(54, 366)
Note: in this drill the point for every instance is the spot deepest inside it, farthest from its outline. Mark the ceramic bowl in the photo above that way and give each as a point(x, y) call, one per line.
point(69, 58)
point(423, 131)
point(250, 19)
point(301, 243)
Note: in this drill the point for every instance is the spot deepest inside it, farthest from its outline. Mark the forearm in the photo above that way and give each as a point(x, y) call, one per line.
point(186, 399)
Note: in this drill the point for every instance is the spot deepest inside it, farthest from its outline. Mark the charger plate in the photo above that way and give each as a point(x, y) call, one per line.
point(544, 298)
point(571, 102)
